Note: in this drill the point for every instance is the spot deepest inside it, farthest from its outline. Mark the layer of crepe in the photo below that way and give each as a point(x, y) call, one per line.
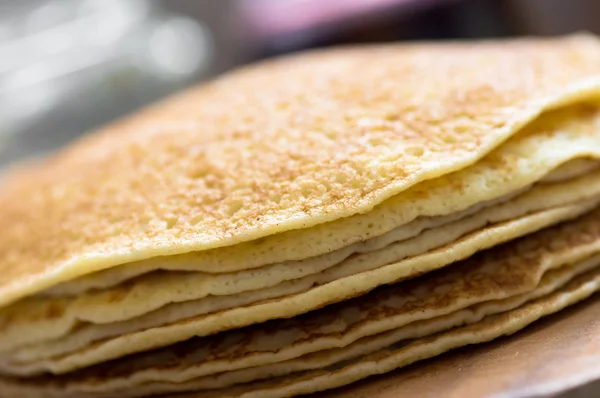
point(530, 363)
point(542, 147)
point(394, 356)
point(289, 144)
point(517, 283)
point(81, 337)
point(60, 334)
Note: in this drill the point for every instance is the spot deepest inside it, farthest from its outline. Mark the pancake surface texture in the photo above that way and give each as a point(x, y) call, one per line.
point(286, 144)
point(302, 223)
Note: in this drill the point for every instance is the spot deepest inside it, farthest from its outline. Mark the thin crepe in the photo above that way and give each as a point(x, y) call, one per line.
point(322, 136)
point(319, 360)
point(337, 290)
point(390, 358)
point(558, 139)
point(48, 344)
point(495, 281)
point(549, 142)
point(404, 354)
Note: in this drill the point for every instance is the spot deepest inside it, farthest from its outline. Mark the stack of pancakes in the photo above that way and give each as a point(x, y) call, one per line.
point(307, 222)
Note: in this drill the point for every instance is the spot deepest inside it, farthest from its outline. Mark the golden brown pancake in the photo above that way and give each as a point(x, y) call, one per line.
point(301, 183)
point(282, 145)
point(500, 280)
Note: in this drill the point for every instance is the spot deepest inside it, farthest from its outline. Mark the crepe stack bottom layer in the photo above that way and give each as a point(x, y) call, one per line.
point(493, 293)
point(187, 256)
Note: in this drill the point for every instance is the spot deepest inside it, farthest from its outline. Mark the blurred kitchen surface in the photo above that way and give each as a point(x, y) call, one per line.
point(67, 66)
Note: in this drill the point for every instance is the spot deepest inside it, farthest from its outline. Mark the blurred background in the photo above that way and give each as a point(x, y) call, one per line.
point(67, 66)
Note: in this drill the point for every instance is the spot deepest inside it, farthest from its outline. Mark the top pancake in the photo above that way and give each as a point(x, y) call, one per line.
point(282, 145)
